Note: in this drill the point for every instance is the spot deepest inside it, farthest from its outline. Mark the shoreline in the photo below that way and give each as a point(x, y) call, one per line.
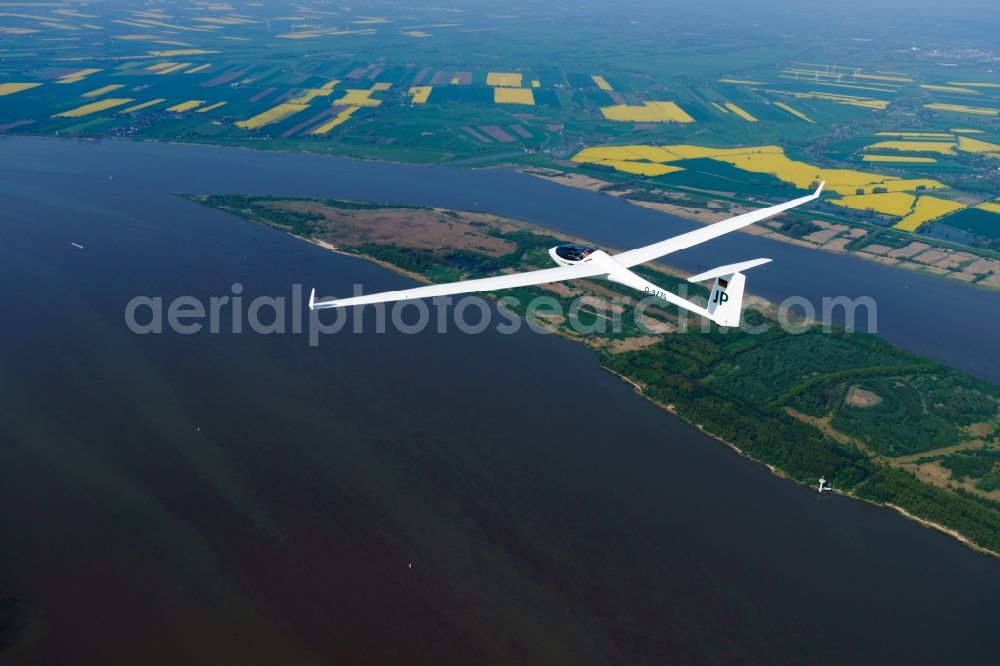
point(955, 534)
point(670, 409)
point(565, 179)
point(596, 184)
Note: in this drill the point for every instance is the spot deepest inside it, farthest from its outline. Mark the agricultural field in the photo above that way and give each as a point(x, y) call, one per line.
point(760, 115)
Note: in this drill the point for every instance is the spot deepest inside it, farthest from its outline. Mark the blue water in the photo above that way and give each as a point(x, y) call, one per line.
point(944, 320)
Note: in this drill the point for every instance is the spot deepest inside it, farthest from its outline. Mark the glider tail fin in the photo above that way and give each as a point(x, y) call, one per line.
point(725, 301)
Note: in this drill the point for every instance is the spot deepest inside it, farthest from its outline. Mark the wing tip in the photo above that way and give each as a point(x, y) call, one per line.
point(320, 305)
point(819, 190)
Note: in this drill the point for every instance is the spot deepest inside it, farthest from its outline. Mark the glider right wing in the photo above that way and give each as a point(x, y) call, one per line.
point(708, 232)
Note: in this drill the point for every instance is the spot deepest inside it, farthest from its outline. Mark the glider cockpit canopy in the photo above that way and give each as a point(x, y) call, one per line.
point(573, 253)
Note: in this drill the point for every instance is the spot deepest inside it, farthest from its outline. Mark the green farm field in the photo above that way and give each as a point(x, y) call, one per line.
point(473, 87)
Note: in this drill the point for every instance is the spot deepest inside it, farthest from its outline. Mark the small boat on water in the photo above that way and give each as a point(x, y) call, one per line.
point(76, 245)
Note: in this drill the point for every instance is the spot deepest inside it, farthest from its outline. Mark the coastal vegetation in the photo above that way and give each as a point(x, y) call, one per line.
point(809, 402)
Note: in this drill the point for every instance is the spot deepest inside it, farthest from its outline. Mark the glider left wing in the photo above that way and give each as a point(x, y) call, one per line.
point(581, 270)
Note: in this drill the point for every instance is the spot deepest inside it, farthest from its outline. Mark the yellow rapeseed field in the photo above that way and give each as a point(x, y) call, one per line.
point(504, 79)
point(421, 93)
point(850, 86)
point(381, 86)
point(649, 112)
point(338, 119)
point(951, 89)
point(174, 68)
point(212, 107)
point(863, 102)
point(759, 159)
point(720, 107)
point(882, 77)
point(225, 21)
point(303, 34)
point(273, 115)
point(513, 96)
point(186, 106)
point(927, 209)
point(967, 131)
point(312, 34)
point(740, 112)
point(797, 114)
point(199, 68)
point(641, 168)
point(898, 158)
point(310, 94)
point(961, 108)
point(76, 76)
point(11, 88)
point(602, 83)
point(103, 91)
point(940, 147)
point(647, 153)
point(890, 203)
point(976, 145)
point(991, 206)
point(974, 84)
point(803, 175)
point(144, 105)
point(160, 65)
point(535, 83)
point(93, 107)
point(357, 98)
point(180, 52)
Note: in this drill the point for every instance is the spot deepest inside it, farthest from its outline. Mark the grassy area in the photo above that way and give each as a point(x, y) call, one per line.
point(982, 466)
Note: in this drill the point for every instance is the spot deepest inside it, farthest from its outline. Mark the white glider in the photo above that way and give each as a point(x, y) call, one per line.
point(574, 261)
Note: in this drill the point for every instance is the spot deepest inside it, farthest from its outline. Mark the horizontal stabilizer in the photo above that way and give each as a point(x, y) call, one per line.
point(727, 270)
